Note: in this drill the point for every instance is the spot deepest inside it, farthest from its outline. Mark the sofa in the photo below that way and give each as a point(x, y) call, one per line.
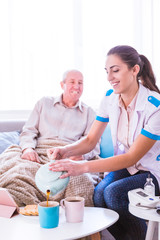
point(10, 131)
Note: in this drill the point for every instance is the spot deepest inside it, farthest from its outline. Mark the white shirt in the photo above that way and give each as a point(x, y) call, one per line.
point(125, 125)
point(146, 121)
point(51, 119)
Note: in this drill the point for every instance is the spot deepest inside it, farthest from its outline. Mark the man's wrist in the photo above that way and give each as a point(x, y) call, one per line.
point(27, 150)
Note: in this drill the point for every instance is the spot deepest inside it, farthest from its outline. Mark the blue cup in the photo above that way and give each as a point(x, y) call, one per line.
point(48, 216)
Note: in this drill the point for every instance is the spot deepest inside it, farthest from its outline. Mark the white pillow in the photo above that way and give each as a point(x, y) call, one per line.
point(7, 139)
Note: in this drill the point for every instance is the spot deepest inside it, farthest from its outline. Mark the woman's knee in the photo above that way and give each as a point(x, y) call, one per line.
point(115, 196)
point(98, 195)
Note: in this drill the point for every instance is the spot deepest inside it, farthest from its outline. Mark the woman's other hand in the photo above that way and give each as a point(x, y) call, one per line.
point(56, 153)
point(77, 158)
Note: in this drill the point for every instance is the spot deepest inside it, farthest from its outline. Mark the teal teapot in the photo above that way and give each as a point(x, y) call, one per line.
point(48, 180)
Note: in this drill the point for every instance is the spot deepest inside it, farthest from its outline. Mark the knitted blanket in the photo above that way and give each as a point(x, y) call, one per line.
point(18, 176)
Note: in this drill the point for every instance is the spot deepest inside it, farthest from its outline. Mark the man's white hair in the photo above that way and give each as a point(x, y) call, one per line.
point(68, 71)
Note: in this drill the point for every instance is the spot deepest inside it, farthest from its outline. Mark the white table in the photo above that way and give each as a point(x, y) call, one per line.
point(27, 227)
point(148, 214)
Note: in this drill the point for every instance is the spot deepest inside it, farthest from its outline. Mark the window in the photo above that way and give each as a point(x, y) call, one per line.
point(40, 39)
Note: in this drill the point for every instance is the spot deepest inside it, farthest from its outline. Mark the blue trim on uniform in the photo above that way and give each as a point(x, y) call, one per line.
point(158, 158)
point(154, 101)
point(109, 92)
point(150, 135)
point(101, 119)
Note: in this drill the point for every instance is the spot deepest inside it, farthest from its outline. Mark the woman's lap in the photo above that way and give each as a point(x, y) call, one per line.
point(112, 192)
point(98, 197)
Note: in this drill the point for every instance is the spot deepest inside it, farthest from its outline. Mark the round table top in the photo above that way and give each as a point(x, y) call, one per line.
point(144, 213)
point(27, 227)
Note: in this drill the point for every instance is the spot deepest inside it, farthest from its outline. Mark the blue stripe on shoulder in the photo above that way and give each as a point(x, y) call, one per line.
point(109, 92)
point(154, 101)
point(158, 158)
point(150, 135)
point(101, 119)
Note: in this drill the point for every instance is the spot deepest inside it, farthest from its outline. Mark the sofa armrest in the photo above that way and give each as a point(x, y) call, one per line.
point(11, 125)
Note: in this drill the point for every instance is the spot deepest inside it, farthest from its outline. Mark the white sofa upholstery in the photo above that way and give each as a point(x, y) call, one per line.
point(11, 125)
point(9, 132)
point(10, 129)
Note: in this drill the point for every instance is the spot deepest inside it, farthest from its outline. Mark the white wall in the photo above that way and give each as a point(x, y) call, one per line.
point(40, 39)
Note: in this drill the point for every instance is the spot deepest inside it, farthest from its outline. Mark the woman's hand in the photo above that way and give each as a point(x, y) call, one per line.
point(30, 154)
point(73, 168)
point(77, 158)
point(56, 153)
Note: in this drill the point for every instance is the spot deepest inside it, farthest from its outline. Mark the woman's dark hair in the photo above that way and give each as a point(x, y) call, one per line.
point(131, 57)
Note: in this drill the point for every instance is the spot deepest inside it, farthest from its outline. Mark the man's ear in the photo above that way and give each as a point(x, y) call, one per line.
point(62, 84)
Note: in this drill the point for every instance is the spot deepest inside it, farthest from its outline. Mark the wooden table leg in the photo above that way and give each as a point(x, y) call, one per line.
point(96, 236)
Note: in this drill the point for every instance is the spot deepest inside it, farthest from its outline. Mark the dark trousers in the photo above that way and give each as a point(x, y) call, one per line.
point(112, 193)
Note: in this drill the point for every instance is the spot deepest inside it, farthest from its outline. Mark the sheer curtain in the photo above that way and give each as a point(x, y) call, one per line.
point(40, 39)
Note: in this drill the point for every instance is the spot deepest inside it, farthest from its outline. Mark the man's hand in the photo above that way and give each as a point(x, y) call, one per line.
point(30, 154)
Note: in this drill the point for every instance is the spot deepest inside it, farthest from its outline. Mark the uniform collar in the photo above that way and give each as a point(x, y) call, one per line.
point(58, 99)
point(138, 102)
point(141, 98)
point(131, 106)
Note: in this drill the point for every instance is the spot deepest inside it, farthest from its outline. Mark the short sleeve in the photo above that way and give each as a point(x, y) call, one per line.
point(152, 127)
point(102, 113)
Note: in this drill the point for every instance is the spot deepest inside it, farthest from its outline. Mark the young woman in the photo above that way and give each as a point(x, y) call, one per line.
point(133, 110)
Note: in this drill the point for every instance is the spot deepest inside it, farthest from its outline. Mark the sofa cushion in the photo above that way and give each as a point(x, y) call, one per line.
point(7, 139)
point(106, 146)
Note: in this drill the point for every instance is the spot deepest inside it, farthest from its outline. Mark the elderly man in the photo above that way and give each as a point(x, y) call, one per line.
point(54, 121)
point(63, 118)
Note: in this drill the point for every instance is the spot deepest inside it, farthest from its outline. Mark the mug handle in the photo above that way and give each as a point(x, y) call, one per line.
point(62, 203)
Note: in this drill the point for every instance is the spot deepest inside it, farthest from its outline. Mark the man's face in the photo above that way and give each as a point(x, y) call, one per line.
point(73, 86)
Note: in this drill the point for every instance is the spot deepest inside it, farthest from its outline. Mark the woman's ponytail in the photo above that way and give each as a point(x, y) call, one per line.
point(146, 74)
